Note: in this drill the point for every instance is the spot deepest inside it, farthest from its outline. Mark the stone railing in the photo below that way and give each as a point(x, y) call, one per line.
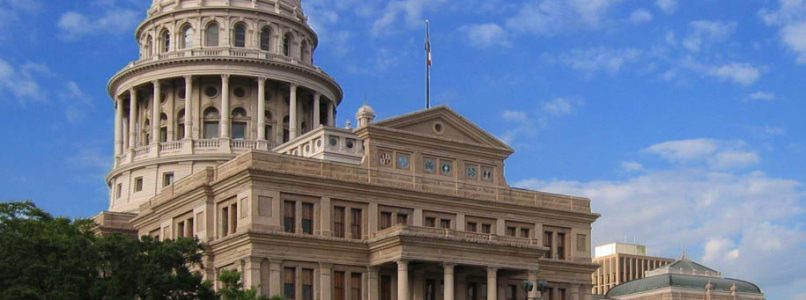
point(141, 152)
point(224, 52)
point(431, 232)
point(326, 143)
point(243, 144)
point(170, 146)
point(186, 147)
point(206, 144)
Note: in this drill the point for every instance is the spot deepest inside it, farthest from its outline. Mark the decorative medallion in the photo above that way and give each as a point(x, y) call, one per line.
point(403, 161)
point(430, 165)
point(447, 167)
point(487, 174)
point(471, 171)
point(385, 159)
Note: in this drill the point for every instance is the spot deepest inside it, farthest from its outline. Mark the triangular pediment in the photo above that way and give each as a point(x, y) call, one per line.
point(443, 123)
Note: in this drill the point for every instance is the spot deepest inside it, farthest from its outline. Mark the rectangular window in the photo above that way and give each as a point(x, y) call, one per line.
point(138, 184)
point(289, 283)
point(233, 218)
point(338, 286)
point(238, 130)
point(430, 222)
point(525, 232)
point(338, 222)
point(190, 227)
point(560, 245)
point(402, 219)
point(386, 220)
point(180, 131)
point(307, 218)
point(355, 286)
point(471, 227)
point(511, 231)
point(180, 229)
point(163, 134)
point(386, 287)
point(118, 190)
point(548, 236)
point(210, 130)
point(224, 221)
point(355, 223)
point(167, 179)
point(562, 294)
point(582, 242)
point(289, 216)
point(307, 284)
point(486, 228)
point(445, 224)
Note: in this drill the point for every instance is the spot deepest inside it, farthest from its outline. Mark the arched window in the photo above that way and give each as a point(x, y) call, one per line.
point(304, 52)
point(187, 37)
point(166, 41)
point(287, 44)
point(148, 50)
point(163, 128)
point(211, 118)
point(265, 38)
point(212, 35)
point(239, 121)
point(180, 125)
point(239, 36)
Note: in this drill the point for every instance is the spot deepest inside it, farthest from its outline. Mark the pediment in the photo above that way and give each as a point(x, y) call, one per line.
point(443, 123)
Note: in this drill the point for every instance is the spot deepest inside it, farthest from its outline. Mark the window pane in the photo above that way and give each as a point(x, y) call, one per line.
point(289, 213)
point(547, 242)
point(289, 283)
point(338, 222)
point(338, 286)
point(355, 286)
point(265, 38)
point(445, 224)
point(238, 130)
point(212, 35)
point(355, 224)
point(307, 218)
point(210, 130)
point(402, 219)
point(240, 36)
point(307, 284)
point(386, 220)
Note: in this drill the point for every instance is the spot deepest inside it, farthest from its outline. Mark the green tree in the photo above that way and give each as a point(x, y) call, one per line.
point(232, 288)
point(42, 257)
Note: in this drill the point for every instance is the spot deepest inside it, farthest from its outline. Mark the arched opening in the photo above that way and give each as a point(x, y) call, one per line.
point(265, 38)
point(166, 41)
point(304, 55)
point(148, 49)
point(187, 36)
point(239, 122)
point(163, 128)
point(211, 35)
point(239, 36)
point(145, 133)
point(286, 132)
point(211, 120)
point(287, 38)
point(180, 125)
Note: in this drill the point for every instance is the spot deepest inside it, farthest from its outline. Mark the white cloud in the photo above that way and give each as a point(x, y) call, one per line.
point(640, 16)
point(485, 35)
point(559, 107)
point(598, 59)
point(410, 11)
point(667, 6)
point(790, 18)
point(632, 166)
point(75, 25)
point(741, 73)
point(746, 224)
point(762, 96)
point(551, 17)
point(684, 150)
point(75, 102)
point(22, 82)
point(514, 116)
point(705, 32)
point(733, 159)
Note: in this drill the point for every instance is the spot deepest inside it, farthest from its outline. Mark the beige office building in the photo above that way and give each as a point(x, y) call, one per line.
point(224, 130)
point(621, 262)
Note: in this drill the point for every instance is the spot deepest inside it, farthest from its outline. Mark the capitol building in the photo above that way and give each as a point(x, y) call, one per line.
point(225, 131)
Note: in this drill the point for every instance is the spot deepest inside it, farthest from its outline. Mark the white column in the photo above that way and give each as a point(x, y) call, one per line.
point(261, 108)
point(224, 133)
point(325, 279)
point(132, 118)
point(331, 114)
point(492, 284)
point(448, 281)
point(316, 111)
point(155, 114)
point(292, 114)
point(188, 107)
point(118, 125)
point(403, 280)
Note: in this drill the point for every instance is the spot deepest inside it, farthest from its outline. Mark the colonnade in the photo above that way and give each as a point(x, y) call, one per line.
point(125, 138)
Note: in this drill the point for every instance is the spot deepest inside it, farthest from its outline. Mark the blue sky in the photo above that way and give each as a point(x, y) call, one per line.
point(682, 120)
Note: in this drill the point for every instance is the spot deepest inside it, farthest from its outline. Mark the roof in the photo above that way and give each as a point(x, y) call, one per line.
point(682, 281)
point(685, 266)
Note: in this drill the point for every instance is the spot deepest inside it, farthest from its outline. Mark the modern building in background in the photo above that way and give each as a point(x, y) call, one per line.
point(685, 279)
point(224, 131)
point(620, 262)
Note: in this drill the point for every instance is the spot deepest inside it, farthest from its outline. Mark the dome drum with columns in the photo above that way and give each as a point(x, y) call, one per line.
point(215, 79)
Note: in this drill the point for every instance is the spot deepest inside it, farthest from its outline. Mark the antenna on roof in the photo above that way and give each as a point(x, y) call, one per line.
point(427, 64)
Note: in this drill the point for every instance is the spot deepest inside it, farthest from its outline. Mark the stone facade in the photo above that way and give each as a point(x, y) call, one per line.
point(412, 207)
point(619, 263)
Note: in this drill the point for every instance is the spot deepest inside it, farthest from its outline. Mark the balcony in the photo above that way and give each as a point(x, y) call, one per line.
point(189, 147)
point(224, 52)
point(454, 235)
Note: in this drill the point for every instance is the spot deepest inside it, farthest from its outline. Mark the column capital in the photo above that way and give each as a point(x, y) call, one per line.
point(293, 85)
point(492, 272)
point(188, 77)
point(155, 82)
point(225, 76)
point(261, 79)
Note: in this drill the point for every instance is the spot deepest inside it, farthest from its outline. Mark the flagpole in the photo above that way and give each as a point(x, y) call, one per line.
point(427, 65)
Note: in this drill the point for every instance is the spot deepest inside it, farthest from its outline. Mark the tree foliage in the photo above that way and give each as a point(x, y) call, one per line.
point(232, 288)
point(46, 257)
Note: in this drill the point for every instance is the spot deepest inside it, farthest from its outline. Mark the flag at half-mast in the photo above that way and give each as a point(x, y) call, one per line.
point(428, 43)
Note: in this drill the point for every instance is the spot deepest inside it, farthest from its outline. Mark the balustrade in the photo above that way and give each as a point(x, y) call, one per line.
point(206, 144)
